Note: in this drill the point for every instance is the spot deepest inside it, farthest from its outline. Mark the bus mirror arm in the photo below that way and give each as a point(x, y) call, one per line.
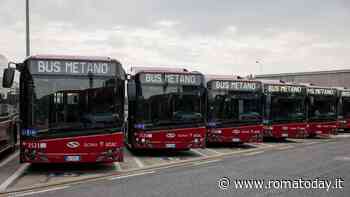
point(131, 88)
point(18, 121)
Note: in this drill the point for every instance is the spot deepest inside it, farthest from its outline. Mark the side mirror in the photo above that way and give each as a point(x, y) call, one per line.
point(312, 100)
point(202, 90)
point(268, 106)
point(266, 122)
point(131, 88)
point(8, 77)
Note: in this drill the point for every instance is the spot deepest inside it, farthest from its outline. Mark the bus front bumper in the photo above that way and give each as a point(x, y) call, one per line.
point(234, 135)
point(36, 156)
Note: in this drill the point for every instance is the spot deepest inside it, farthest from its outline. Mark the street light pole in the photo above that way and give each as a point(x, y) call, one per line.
point(27, 30)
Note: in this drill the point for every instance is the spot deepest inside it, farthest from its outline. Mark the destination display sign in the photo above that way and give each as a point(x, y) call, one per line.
point(180, 79)
point(66, 67)
point(321, 91)
point(284, 89)
point(345, 93)
point(235, 85)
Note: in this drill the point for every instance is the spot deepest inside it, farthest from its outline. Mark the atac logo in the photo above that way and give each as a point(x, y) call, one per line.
point(170, 135)
point(73, 144)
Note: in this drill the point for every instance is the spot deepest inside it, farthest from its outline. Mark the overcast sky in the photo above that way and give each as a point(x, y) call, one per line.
point(213, 36)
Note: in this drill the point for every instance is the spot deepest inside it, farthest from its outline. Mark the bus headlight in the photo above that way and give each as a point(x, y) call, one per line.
point(268, 128)
point(216, 131)
point(29, 154)
point(110, 154)
point(197, 135)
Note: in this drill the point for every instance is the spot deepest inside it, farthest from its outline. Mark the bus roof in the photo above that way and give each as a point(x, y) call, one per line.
point(142, 69)
point(279, 82)
point(69, 57)
point(309, 85)
point(342, 89)
point(228, 78)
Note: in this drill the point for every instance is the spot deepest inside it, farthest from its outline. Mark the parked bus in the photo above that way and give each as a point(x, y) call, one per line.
point(166, 109)
point(322, 110)
point(343, 109)
point(71, 109)
point(234, 110)
point(8, 119)
point(284, 110)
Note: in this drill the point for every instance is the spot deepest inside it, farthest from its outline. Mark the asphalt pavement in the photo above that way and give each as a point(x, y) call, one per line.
point(303, 170)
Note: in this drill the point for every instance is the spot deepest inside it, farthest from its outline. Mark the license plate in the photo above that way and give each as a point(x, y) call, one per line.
point(72, 158)
point(236, 140)
point(318, 132)
point(284, 134)
point(170, 145)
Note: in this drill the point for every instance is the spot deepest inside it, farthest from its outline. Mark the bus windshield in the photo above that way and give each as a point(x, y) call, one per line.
point(75, 104)
point(167, 105)
point(323, 109)
point(346, 107)
point(287, 109)
point(230, 107)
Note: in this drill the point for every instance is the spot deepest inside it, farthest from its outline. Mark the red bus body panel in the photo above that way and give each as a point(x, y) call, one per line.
point(240, 134)
point(287, 130)
point(177, 139)
point(322, 128)
point(89, 149)
point(343, 126)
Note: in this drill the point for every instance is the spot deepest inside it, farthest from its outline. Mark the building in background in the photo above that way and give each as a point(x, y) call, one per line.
point(333, 78)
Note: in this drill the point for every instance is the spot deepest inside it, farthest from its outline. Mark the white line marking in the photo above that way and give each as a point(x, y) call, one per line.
point(10, 158)
point(254, 153)
point(199, 153)
point(285, 147)
point(262, 145)
point(206, 162)
point(213, 151)
point(14, 176)
point(118, 166)
point(139, 162)
point(132, 175)
point(310, 143)
point(38, 192)
point(269, 145)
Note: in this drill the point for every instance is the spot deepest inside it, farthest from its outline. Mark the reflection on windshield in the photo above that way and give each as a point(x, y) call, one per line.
point(283, 109)
point(8, 104)
point(76, 104)
point(323, 109)
point(160, 105)
point(235, 108)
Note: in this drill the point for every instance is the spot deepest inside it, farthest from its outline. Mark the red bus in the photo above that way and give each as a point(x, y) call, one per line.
point(322, 110)
point(166, 109)
point(8, 119)
point(284, 110)
point(234, 110)
point(71, 109)
point(343, 110)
